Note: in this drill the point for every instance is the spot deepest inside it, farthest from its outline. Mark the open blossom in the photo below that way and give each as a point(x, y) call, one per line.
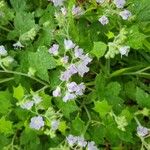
point(54, 125)
point(81, 142)
point(78, 52)
point(72, 87)
point(125, 14)
point(71, 140)
point(18, 45)
point(82, 68)
point(80, 90)
point(27, 105)
point(57, 92)
point(68, 44)
point(142, 131)
point(69, 96)
point(3, 51)
point(124, 50)
point(76, 10)
point(57, 2)
point(119, 3)
point(103, 20)
point(64, 11)
point(36, 122)
point(91, 146)
point(86, 59)
point(37, 99)
point(54, 49)
point(65, 59)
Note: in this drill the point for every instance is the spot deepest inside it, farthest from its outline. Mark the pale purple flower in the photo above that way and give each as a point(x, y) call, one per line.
point(3, 51)
point(72, 87)
point(68, 44)
point(72, 69)
point(142, 131)
point(65, 76)
point(37, 99)
point(78, 52)
point(27, 105)
point(125, 14)
point(124, 50)
point(65, 59)
point(100, 1)
point(54, 49)
point(18, 45)
point(81, 142)
point(71, 140)
point(119, 3)
point(86, 59)
point(103, 20)
point(69, 96)
point(80, 90)
point(36, 122)
point(54, 124)
point(77, 11)
point(57, 92)
point(57, 2)
point(82, 68)
point(64, 11)
point(91, 146)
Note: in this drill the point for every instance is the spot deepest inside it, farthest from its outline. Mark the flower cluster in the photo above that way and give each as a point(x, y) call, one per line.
point(142, 131)
point(125, 14)
point(80, 142)
point(36, 99)
point(77, 65)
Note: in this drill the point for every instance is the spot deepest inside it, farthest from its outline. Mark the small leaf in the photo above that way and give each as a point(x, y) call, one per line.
point(99, 49)
point(62, 127)
point(102, 108)
point(18, 92)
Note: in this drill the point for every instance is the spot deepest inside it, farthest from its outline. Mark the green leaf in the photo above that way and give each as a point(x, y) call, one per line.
point(99, 49)
point(5, 101)
point(18, 92)
point(41, 61)
point(78, 126)
point(62, 127)
point(102, 108)
point(143, 98)
point(5, 126)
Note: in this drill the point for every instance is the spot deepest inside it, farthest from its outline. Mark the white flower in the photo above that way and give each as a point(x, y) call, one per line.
point(119, 3)
point(69, 96)
point(125, 14)
point(68, 44)
point(103, 20)
point(3, 51)
point(77, 11)
point(91, 146)
point(65, 76)
point(37, 99)
point(86, 59)
point(64, 11)
point(124, 50)
point(54, 125)
point(142, 131)
point(27, 105)
point(82, 68)
point(57, 2)
point(78, 52)
point(54, 49)
point(71, 140)
point(72, 87)
point(81, 142)
point(100, 1)
point(57, 92)
point(36, 122)
point(18, 45)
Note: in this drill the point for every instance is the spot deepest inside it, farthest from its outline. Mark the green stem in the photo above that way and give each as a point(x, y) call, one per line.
point(3, 28)
point(6, 80)
point(23, 74)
